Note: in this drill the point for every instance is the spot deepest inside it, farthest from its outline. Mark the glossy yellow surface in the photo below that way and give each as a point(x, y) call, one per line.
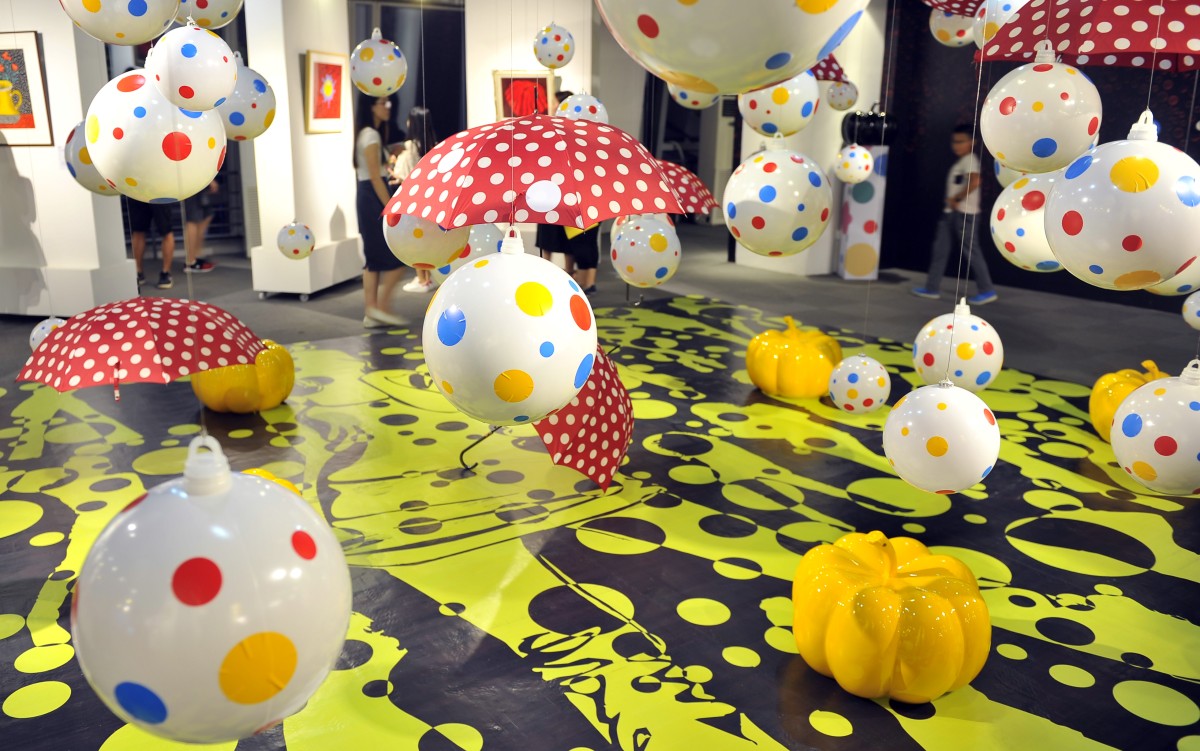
point(1111, 389)
point(794, 363)
point(248, 388)
point(258, 472)
point(888, 618)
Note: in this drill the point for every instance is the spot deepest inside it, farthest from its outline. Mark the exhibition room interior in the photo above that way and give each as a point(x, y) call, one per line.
point(429, 551)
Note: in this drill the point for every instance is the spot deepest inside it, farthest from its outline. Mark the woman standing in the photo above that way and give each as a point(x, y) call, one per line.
point(383, 271)
point(421, 140)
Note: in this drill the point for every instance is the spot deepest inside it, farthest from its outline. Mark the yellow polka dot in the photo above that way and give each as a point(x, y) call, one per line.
point(1070, 70)
point(1159, 392)
point(815, 6)
point(84, 156)
point(757, 159)
point(513, 386)
point(418, 233)
point(845, 165)
point(204, 22)
point(687, 2)
point(291, 231)
point(1144, 471)
point(941, 405)
point(92, 128)
point(658, 242)
point(900, 402)
point(257, 668)
point(780, 95)
point(270, 118)
point(965, 350)
point(852, 394)
point(989, 30)
point(1137, 279)
point(881, 381)
point(628, 269)
point(942, 35)
point(447, 387)
point(1038, 106)
point(1000, 155)
point(212, 143)
point(534, 299)
point(937, 446)
point(91, 6)
point(481, 263)
point(366, 54)
point(687, 81)
point(566, 48)
point(1133, 174)
point(1020, 183)
point(131, 182)
point(904, 430)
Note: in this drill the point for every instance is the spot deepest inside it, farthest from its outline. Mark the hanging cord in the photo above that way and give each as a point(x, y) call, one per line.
point(1189, 126)
point(1154, 57)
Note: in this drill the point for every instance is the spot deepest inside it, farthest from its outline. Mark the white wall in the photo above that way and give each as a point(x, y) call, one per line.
point(617, 80)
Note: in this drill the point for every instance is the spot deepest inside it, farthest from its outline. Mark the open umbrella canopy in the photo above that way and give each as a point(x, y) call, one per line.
point(537, 168)
point(694, 196)
point(828, 69)
point(957, 7)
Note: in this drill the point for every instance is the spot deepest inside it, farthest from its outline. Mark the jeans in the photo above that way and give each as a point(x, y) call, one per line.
point(949, 233)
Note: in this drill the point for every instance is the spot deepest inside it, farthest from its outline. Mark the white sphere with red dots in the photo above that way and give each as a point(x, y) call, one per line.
point(296, 241)
point(128, 23)
point(79, 164)
point(482, 240)
point(777, 202)
point(853, 164)
point(250, 108)
point(941, 438)
point(553, 46)
point(950, 29)
point(510, 337)
point(1018, 223)
point(146, 147)
point(960, 347)
point(208, 14)
point(785, 108)
point(377, 66)
point(1191, 310)
point(690, 98)
point(841, 95)
point(418, 242)
point(859, 384)
point(193, 68)
point(212, 607)
point(1156, 433)
point(645, 251)
point(583, 107)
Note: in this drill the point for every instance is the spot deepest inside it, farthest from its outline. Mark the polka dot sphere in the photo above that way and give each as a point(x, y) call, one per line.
point(841, 96)
point(859, 384)
point(1006, 176)
point(419, 242)
point(691, 98)
point(146, 147)
point(1191, 310)
point(1126, 215)
point(713, 49)
point(966, 343)
point(554, 46)
point(583, 107)
point(509, 338)
point(1156, 433)
point(621, 221)
point(1018, 223)
point(784, 109)
point(246, 647)
point(193, 68)
point(79, 164)
point(43, 329)
point(208, 14)
point(941, 438)
point(777, 203)
point(1183, 283)
point(991, 15)
point(853, 164)
point(950, 29)
point(250, 109)
point(296, 241)
point(121, 21)
point(645, 251)
point(481, 240)
point(377, 66)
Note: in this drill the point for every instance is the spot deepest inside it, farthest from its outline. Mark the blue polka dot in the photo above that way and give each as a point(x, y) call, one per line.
point(188, 50)
point(731, 210)
point(163, 200)
point(815, 179)
point(219, 102)
point(983, 378)
point(683, 95)
point(139, 112)
point(1194, 406)
point(578, 108)
point(778, 60)
point(996, 168)
point(137, 8)
point(766, 193)
point(571, 282)
point(799, 234)
point(1185, 188)
point(71, 169)
point(191, 114)
point(974, 327)
point(807, 109)
point(585, 370)
point(451, 326)
point(770, 128)
point(852, 378)
point(800, 207)
point(987, 471)
point(1077, 168)
point(545, 40)
point(1044, 147)
point(1047, 265)
point(521, 418)
point(140, 703)
point(661, 272)
point(1020, 232)
point(1185, 288)
point(444, 269)
point(839, 35)
point(958, 374)
point(1096, 269)
point(260, 86)
point(914, 351)
point(1131, 425)
point(237, 118)
point(546, 349)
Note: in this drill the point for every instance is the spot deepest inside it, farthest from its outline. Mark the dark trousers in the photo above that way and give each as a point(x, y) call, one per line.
point(954, 228)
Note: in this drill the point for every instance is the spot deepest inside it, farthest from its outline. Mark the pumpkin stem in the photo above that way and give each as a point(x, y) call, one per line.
point(791, 323)
point(1151, 368)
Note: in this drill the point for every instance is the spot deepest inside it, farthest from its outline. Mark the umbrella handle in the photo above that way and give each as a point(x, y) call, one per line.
point(462, 457)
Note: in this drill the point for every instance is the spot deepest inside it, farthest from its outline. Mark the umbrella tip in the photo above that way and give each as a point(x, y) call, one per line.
point(205, 473)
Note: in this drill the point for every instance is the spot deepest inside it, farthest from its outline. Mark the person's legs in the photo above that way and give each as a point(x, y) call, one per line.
point(979, 267)
point(370, 289)
point(939, 253)
point(138, 241)
point(387, 283)
point(168, 251)
point(192, 233)
point(585, 278)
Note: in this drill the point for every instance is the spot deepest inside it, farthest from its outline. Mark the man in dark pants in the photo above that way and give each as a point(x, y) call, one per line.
point(141, 217)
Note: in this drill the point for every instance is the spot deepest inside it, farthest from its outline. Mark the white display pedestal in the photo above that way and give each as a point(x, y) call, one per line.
point(328, 265)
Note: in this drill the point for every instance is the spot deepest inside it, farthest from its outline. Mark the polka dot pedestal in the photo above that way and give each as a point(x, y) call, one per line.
point(941, 438)
point(208, 14)
point(377, 66)
point(713, 49)
point(861, 225)
point(250, 109)
point(991, 15)
point(509, 338)
point(690, 98)
point(1127, 214)
point(1156, 433)
point(146, 147)
point(127, 22)
point(1018, 223)
point(583, 107)
point(950, 29)
point(245, 647)
point(482, 240)
point(785, 108)
point(841, 96)
point(853, 164)
point(42, 330)
point(1191, 310)
point(859, 384)
point(554, 46)
point(79, 164)
point(645, 251)
point(419, 242)
point(960, 347)
point(193, 68)
point(777, 202)
point(296, 241)
point(1040, 116)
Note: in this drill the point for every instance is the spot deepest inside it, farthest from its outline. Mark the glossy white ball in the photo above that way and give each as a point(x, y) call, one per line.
point(1191, 310)
point(250, 108)
point(127, 23)
point(377, 66)
point(991, 15)
point(296, 241)
point(79, 164)
point(777, 202)
point(583, 107)
point(1006, 176)
point(950, 29)
point(420, 243)
point(941, 438)
point(193, 68)
point(43, 329)
point(977, 355)
point(208, 14)
point(645, 251)
point(1018, 223)
point(482, 240)
point(784, 108)
point(853, 164)
point(690, 98)
point(841, 95)
point(859, 384)
point(553, 46)
point(1156, 433)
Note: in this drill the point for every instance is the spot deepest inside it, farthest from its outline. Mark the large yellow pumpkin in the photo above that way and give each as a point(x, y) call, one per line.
point(888, 618)
point(794, 363)
point(1111, 389)
point(248, 388)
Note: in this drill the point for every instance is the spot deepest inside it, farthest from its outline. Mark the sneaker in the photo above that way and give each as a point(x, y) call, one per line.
point(165, 281)
point(384, 318)
point(928, 294)
point(141, 280)
point(590, 290)
point(414, 285)
point(983, 298)
point(199, 266)
point(371, 323)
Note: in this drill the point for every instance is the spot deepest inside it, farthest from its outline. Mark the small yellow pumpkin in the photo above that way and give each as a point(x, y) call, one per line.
point(1111, 389)
point(885, 617)
point(248, 388)
point(795, 363)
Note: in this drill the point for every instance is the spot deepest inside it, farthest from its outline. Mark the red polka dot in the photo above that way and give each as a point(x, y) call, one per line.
point(131, 83)
point(1033, 200)
point(848, 407)
point(1010, 247)
point(770, 167)
point(1000, 215)
point(988, 348)
point(928, 359)
point(1064, 96)
point(196, 582)
point(1093, 126)
point(648, 26)
point(1043, 67)
point(135, 502)
point(304, 545)
point(558, 37)
point(614, 255)
point(824, 215)
point(1072, 223)
point(580, 312)
point(201, 4)
point(870, 227)
point(732, 229)
point(1131, 243)
point(221, 159)
point(377, 81)
point(797, 159)
point(186, 92)
point(868, 402)
point(987, 413)
point(1186, 263)
point(1007, 105)
point(753, 104)
point(177, 146)
point(118, 133)
point(775, 253)
point(758, 222)
point(1165, 445)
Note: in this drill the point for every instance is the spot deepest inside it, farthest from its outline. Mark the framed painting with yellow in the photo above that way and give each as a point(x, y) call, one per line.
point(326, 85)
point(24, 113)
point(522, 92)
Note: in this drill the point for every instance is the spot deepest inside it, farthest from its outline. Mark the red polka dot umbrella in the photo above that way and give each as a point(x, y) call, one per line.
point(1108, 32)
point(592, 433)
point(548, 170)
point(145, 339)
point(694, 196)
point(957, 7)
point(828, 69)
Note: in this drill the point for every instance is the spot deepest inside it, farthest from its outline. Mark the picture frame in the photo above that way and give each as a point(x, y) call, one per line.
point(326, 87)
point(524, 92)
point(24, 109)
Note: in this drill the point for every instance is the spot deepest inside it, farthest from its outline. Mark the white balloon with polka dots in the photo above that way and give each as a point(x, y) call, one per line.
point(1156, 433)
point(193, 68)
point(420, 243)
point(853, 164)
point(80, 165)
point(208, 14)
point(959, 347)
point(941, 438)
point(645, 251)
point(777, 202)
point(295, 241)
point(690, 98)
point(482, 240)
point(250, 108)
point(127, 23)
point(859, 384)
point(1018, 223)
point(377, 66)
point(42, 330)
point(1191, 310)
point(553, 46)
point(583, 107)
point(991, 15)
point(950, 29)
point(841, 95)
point(785, 108)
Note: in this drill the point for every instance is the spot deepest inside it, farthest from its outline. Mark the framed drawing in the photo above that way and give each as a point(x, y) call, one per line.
point(521, 92)
point(24, 113)
point(325, 85)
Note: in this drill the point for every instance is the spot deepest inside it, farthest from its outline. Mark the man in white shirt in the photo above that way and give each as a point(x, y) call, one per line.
point(960, 223)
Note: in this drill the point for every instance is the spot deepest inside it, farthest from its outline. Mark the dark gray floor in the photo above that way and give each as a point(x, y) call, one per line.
point(1054, 336)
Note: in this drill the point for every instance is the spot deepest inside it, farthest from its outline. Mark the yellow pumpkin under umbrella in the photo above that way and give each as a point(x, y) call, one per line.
point(248, 388)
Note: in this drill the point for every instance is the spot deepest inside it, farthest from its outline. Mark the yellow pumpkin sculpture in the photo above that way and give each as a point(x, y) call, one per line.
point(248, 388)
point(264, 474)
point(794, 363)
point(1111, 389)
point(888, 618)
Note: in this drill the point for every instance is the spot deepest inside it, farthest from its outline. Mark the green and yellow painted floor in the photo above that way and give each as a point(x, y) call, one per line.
point(519, 607)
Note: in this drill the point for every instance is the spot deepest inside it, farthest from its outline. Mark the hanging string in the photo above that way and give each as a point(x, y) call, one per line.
point(1189, 126)
point(1154, 57)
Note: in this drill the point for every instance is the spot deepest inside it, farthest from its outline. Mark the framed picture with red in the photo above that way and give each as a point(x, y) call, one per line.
point(326, 81)
point(24, 113)
point(520, 93)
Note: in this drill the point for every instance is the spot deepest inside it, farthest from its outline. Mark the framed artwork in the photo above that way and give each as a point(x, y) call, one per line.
point(522, 92)
point(24, 113)
point(325, 86)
